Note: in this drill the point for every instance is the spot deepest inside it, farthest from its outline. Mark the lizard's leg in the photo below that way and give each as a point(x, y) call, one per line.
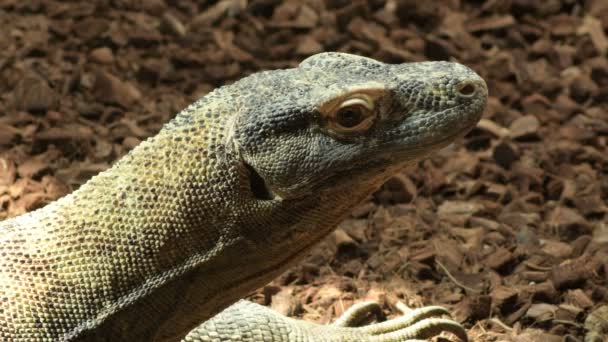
point(249, 322)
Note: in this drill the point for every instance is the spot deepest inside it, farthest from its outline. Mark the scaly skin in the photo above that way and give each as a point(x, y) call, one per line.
point(237, 188)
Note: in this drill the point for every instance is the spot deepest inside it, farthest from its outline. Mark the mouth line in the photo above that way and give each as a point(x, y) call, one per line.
point(453, 136)
point(399, 151)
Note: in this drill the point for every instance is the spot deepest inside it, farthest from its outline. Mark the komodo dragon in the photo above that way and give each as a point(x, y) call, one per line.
point(233, 191)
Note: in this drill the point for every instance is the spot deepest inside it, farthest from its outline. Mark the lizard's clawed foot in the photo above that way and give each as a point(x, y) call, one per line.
point(422, 323)
point(249, 322)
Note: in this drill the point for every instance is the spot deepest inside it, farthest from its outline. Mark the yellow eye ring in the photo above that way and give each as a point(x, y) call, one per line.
point(353, 115)
point(353, 112)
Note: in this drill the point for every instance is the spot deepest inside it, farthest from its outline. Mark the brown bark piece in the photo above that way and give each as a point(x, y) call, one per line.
point(8, 172)
point(102, 55)
point(557, 249)
point(541, 312)
point(579, 299)
point(503, 297)
point(593, 27)
point(34, 94)
point(499, 258)
point(450, 209)
point(490, 23)
point(525, 127)
point(573, 273)
point(111, 90)
point(32, 167)
point(285, 303)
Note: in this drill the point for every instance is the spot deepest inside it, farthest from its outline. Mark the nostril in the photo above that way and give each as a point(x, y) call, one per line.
point(467, 89)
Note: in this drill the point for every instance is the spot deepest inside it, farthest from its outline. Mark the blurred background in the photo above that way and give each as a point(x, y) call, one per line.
point(508, 228)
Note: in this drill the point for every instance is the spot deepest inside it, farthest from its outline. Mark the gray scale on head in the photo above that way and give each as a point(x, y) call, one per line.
point(278, 126)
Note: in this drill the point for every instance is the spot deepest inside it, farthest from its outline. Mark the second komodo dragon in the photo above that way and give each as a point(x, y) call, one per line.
point(233, 191)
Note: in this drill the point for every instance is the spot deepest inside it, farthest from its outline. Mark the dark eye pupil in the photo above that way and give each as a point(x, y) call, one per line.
point(349, 117)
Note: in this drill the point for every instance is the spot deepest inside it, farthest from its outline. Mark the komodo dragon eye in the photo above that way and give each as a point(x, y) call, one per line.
point(354, 116)
point(351, 114)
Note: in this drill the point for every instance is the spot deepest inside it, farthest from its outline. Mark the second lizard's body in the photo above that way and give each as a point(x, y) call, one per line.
point(234, 190)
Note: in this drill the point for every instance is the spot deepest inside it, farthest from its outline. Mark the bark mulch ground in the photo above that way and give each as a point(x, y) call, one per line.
point(507, 228)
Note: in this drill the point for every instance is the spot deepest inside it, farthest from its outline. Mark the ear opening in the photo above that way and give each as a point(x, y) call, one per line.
point(258, 186)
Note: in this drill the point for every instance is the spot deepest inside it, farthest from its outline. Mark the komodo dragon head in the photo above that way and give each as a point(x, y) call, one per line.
point(341, 119)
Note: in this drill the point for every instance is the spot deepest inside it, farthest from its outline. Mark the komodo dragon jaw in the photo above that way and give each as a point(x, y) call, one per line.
point(228, 195)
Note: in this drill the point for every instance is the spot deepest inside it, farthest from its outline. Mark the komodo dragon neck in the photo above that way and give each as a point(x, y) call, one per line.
point(152, 230)
point(222, 200)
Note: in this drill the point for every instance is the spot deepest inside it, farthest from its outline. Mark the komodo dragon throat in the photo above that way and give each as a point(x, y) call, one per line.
point(230, 193)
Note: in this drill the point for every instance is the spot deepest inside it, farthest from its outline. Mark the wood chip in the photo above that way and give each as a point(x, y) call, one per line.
point(503, 297)
point(557, 249)
point(541, 312)
point(451, 208)
point(102, 55)
point(8, 172)
point(34, 94)
point(110, 89)
point(173, 25)
point(579, 299)
point(593, 27)
point(524, 127)
point(32, 167)
point(499, 258)
point(285, 303)
point(490, 23)
point(573, 273)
